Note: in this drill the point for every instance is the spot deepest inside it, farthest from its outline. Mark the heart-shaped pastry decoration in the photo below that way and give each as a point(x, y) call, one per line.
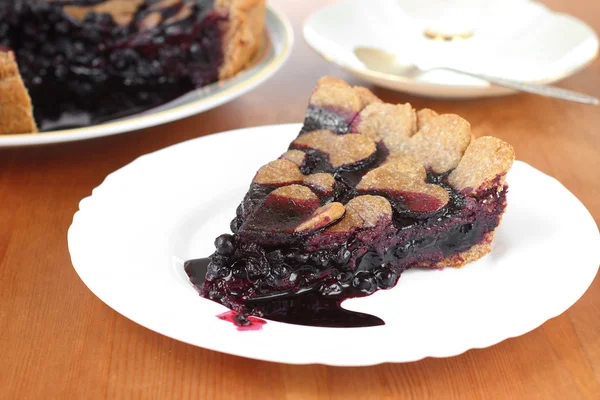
point(285, 172)
point(424, 117)
point(486, 159)
point(363, 212)
point(436, 141)
point(296, 156)
point(366, 96)
point(341, 150)
point(292, 209)
point(335, 94)
point(404, 179)
point(393, 124)
point(278, 173)
point(321, 182)
point(441, 143)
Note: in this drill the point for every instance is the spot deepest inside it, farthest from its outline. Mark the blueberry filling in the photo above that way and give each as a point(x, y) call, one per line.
point(84, 72)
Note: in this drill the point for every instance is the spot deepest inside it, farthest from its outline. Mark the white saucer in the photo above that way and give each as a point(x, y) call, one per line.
point(515, 39)
point(278, 44)
point(129, 239)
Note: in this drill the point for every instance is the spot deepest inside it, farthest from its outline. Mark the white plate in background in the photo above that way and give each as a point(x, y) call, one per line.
point(515, 39)
point(129, 238)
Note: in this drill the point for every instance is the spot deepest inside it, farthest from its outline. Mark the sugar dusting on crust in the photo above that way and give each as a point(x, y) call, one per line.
point(366, 96)
point(363, 212)
point(485, 159)
point(295, 192)
point(335, 93)
point(405, 179)
point(278, 172)
point(436, 141)
point(295, 156)
point(340, 149)
point(424, 117)
point(320, 181)
point(392, 124)
point(441, 143)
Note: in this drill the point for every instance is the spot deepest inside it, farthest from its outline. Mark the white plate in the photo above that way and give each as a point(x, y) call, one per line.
point(129, 239)
point(516, 39)
point(279, 39)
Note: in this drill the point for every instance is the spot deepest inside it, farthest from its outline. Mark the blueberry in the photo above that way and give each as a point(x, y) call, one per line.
point(300, 258)
point(386, 278)
point(343, 256)
point(320, 259)
point(303, 274)
point(225, 245)
point(364, 282)
point(144, 70)
point(399, 252)
point(235, 225)
point(197, 53)
point(225, 273)
point(238, 270)
point(332, 289)
point(270, 281)
point(62, 27)
point(78, 47)
point(61, 71)
point(254, 270)
point(275, 257)
point(345, 278)
point(307, 270)
point(369, 260)
point(281, 271)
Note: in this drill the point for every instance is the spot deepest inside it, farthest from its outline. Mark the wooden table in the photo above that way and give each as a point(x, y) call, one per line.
point(57, 340)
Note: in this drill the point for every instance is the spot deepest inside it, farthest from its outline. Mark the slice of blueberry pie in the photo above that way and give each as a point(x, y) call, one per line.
point(85, 61)
point(366, 191)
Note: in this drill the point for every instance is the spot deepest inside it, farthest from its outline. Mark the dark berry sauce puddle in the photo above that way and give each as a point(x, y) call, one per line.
point(309, 308)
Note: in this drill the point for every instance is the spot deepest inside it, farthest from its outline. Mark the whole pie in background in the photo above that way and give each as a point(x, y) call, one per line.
point(83, 62)
point(366, 191)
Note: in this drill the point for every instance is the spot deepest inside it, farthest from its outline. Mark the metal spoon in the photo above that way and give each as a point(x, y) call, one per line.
point(382, 61)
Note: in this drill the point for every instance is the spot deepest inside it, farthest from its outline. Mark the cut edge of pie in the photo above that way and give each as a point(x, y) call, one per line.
point(243, 33)
point(16, 112)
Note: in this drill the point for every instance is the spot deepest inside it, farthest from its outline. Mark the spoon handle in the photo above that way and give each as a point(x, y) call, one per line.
point(543, 90)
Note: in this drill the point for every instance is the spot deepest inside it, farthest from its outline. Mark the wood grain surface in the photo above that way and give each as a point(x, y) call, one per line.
point(58, 341)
